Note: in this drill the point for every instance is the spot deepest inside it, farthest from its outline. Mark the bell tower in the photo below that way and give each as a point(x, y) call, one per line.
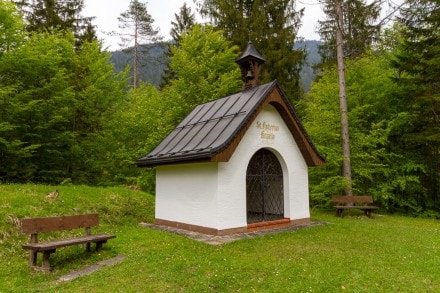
point(250, 63)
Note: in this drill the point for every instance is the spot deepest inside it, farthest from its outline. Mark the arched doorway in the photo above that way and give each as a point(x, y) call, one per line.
point(264, 188)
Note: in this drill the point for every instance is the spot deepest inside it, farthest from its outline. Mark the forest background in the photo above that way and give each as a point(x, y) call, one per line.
point(67, 116)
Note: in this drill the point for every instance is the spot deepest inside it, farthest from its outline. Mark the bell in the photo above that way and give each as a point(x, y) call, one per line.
point(249, 75)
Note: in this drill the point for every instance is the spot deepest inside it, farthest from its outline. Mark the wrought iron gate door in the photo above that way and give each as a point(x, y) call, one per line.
point(264, 188)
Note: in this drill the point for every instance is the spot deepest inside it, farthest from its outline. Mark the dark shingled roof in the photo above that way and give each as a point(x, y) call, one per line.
point(211, 127)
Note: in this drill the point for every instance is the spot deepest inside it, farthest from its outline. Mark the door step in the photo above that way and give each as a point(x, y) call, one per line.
point(269, 225)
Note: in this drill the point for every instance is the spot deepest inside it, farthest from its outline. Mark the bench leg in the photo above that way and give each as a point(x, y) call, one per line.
point(368, 213)
point(339, 212)
point(99, 245)
point(45, 266)
point(32, 258)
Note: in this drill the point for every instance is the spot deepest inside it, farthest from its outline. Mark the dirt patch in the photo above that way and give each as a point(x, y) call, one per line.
point(90, 269)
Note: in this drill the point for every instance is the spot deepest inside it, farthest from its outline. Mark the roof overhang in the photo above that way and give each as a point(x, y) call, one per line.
point(184, 143)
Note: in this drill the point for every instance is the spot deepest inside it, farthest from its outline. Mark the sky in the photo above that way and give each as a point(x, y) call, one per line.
point(162, 11)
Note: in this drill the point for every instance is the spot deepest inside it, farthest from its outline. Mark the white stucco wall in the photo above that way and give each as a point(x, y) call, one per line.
point(187, 193)
point(267, 131)
point(214, 194)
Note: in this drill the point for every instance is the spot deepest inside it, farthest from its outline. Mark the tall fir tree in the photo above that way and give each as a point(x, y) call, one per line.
point(347, 32)
point(359, 28)
point(272, 25)
point(185, 20)
point(417, 61)
point(137, 30)
point(183, 23)
point(50, 15)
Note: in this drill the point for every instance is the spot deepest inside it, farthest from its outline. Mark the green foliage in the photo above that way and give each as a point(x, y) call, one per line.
point(272, 26)
point(377, 169)
point(185, 20)
point(38, 108)
point(136, 26)
point(205, 70)
point(417, 62)
point(204, 67)
point(65, 115)
point(56, 15)
point(359, 28)
point(138, 125)
point(55, 99)
point(11, 27)
point(383, 254)
point(394, 121)
point(98, 94)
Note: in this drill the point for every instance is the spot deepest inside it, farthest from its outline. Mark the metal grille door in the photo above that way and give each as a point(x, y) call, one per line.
point(264, 188)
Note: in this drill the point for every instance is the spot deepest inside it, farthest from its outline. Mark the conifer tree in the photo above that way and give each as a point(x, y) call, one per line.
point(272, 26)
point(137, 30)
point(418, 65)
point(185, 20)
point(359, 28)
point(183, 23)
point(348, 31)
point(51, 15)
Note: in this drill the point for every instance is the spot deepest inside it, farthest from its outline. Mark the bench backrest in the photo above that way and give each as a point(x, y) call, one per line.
point(50, 224)
point(352, 199)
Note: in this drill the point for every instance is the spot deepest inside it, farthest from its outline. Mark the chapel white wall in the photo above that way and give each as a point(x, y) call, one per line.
point(187, 193)
point(232, 174)
point(214, 194)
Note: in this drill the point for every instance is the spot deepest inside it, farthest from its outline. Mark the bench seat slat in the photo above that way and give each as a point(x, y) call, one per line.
point(357, 207)
point(362, 202)
point(43, 246)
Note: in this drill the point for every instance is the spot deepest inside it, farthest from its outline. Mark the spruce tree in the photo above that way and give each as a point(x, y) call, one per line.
point(359, 28)
point(272, 26)
point(417, 62)
point(51, 15)
point(137, 31)
point(184, 22)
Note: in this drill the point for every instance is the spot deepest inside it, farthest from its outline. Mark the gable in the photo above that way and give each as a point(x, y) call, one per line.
point(212, 131)
point(278, 100)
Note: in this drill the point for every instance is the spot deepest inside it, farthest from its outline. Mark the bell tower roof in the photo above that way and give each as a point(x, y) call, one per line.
point(250, 63)
point(250, 53)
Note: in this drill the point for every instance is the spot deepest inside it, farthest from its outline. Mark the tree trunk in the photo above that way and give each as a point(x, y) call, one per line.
point(135, 57)
point(346, 164)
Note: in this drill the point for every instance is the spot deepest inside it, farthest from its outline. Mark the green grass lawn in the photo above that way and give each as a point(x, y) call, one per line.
point(354, 254)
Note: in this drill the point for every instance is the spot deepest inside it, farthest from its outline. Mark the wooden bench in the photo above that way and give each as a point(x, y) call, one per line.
point(353, 202)
point(33, 226)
